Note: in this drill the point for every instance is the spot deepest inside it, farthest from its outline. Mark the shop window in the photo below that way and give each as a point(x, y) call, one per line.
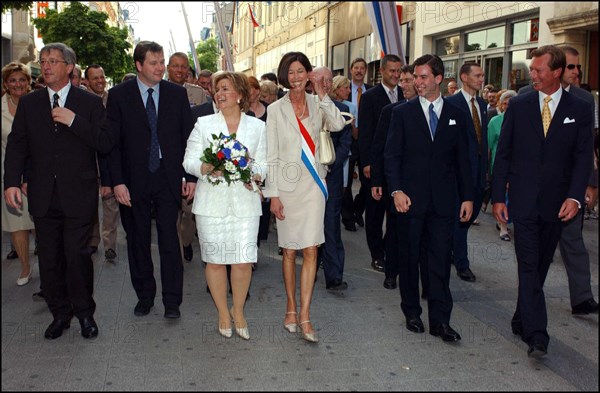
point(519, 69)
point(447, 46)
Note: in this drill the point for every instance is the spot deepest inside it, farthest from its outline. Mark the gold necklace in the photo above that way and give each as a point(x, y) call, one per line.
point(11, 100)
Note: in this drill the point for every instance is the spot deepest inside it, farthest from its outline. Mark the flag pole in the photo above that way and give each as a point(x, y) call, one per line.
point(192, 47)
point(223, 35)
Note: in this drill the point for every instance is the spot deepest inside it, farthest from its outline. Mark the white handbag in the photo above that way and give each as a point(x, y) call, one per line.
point(326, 147)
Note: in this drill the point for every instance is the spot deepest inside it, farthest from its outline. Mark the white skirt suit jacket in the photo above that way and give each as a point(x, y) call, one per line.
point(285, 144)
point(222, 200)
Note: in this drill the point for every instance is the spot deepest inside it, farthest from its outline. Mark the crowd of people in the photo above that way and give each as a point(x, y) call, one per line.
point(428, 164)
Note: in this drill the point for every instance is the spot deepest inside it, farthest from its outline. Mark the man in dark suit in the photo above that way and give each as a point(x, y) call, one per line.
point(353, 209)
point(332, 252)
point(407, 84)
point(572, 248)
point(371, 104)
point(474, 108)
point(152, 120)
point(58, 131)
point(426, 161)
point(544, 155)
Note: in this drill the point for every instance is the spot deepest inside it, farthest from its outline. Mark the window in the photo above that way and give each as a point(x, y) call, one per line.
point(524, 32)
point(485, 39)
point(519, 69)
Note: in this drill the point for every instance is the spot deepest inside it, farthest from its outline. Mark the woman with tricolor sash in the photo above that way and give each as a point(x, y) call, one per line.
point(296, 179)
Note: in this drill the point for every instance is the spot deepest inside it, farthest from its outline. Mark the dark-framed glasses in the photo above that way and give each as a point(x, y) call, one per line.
point(571, 66)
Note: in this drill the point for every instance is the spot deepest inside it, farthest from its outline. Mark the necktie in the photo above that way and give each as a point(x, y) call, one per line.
point(55, 104)
point(476, 122)
point(393, 98)
point(359, 93)
point(546, 114)
point(154, 161)
point(433, 120)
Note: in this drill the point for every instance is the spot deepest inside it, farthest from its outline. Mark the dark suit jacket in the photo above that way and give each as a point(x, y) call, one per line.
point(378, 145)
point(371, 104)
point(479, 162)
point(67, 156)
point(202, 110)
point(342, 141)
point(543, 171)
point(429, 172)
point(128, 162)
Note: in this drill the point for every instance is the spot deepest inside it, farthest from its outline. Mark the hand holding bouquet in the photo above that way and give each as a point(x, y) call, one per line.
point(229, 159)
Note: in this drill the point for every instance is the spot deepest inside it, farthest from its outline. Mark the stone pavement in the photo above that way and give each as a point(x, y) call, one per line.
point(363, 342)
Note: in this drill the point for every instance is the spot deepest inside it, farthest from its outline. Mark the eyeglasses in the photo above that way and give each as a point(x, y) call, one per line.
point(571, 66)
point(52, 62)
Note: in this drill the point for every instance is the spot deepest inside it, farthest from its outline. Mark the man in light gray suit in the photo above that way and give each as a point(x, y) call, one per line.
point(572, 248)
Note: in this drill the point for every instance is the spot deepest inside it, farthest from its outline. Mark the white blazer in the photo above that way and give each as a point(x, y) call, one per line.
point(222, 200)
point(284, 146)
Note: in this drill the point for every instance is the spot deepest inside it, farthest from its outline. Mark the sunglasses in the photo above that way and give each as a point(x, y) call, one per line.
point(571, 66)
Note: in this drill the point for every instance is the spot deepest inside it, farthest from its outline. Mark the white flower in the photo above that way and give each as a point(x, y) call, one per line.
point(230, 167)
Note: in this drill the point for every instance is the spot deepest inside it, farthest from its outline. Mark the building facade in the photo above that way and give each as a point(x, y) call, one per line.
point(498, 35)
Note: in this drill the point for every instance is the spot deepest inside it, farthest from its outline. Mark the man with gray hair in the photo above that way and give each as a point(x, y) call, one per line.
point(57, 132)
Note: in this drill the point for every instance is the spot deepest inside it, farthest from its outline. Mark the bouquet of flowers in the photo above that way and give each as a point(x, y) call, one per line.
point(230, 158)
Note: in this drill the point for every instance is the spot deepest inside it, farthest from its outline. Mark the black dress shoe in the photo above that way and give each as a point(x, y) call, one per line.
point(588, 307)
point(188, 252)
point(13, 254)
point(414, 324)
point(38, 297)
point(143, 307)
point(378, 265)
point(390, 283)
point(537, 349)
point(89, 329)
point(445, 332)
point(172, 311)
point(350, 227)
point(55, 330)
point(466, 274)
point(337, 285)
point(516, 328)
point(359, 220)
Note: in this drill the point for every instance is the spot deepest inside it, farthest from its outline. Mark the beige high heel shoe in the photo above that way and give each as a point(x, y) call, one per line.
point(243, 331)
point(310, 337)
point(291, 327)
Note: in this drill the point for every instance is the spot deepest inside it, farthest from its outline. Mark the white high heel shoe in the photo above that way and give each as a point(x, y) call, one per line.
point(24, 280)
point(227, 333)
point(243, 331)
point(310, 337)
point(291, 327)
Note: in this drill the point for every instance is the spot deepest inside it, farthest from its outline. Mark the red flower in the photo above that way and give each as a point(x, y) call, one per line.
point(235, 162)
point(220, 155)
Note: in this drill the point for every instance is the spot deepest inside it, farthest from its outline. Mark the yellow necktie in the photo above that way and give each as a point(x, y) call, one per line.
point(546, 114)
point(359, 93)
point(476, 122)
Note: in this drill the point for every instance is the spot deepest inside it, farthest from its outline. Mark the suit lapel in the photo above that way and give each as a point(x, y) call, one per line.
point(288, 112)
point(44, 99)
point(444, 120)
point(420, 116)
point(536, 115)
point(560, 114)
point(137, 103)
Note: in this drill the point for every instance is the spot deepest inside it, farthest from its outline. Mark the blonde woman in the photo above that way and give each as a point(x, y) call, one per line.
point(227, 216)
point(16, 82)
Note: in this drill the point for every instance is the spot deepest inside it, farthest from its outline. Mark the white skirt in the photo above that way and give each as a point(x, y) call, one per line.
point(228, 240)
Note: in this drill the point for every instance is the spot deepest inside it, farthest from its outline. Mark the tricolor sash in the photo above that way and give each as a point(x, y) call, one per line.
point(308, 157)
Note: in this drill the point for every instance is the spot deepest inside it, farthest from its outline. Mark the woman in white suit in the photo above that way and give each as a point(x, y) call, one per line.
point(296, 181)
point(227, 216)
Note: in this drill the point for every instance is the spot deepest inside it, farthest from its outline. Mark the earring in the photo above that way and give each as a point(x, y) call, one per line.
point(238, 100)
